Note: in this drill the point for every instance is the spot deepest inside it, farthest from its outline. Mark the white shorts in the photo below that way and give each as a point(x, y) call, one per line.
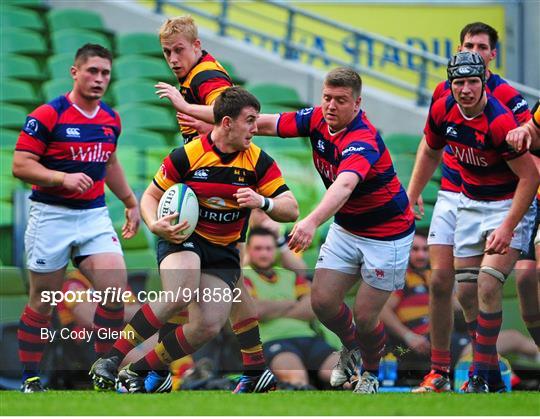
point(477, 219)
point(55, 234)
point(443, 220)
point(381, 263)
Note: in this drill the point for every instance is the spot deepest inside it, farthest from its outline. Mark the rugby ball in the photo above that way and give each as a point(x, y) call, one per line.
point(180, 199)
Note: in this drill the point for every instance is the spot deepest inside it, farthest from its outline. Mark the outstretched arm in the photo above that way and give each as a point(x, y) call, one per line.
point(334, 198)
point(203, 112)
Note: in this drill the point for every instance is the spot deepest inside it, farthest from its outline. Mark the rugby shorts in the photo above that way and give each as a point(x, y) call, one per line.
point(443, 220)
point(530, 254)
point(56, 234)
point(382, 264)
point(216, 260)
point(477, 219)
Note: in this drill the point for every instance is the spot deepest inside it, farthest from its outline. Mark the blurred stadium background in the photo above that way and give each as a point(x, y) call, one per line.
point(278, 50)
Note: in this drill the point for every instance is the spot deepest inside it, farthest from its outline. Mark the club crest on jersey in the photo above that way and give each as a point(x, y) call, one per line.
point(320, 146)
point(216, 202)
point(108, 131)
point(480, 138)
point(379, 273)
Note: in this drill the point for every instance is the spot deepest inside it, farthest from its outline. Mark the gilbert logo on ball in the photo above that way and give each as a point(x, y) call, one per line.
point(180, 199)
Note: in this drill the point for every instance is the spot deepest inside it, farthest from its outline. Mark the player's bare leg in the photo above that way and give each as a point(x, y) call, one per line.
point(152, 316)
point(106, 271)
point(528, 289)
point(494, 270)
point(441, 312)
point(371, 336)
point(205, 322)
point(327, 296)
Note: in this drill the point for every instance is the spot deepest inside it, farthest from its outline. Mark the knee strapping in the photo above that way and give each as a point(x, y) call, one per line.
point(495, 273)
point(467, 275)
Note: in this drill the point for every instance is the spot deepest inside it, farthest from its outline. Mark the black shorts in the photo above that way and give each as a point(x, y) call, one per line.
point(531, 254)
point(216, 260)
point(313, 351)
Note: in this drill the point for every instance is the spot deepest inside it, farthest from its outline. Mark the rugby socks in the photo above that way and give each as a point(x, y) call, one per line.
point(343, 326)
point(247, 333)
point(170, 326)
point(533, 326)
point(440, 361)
point(108, 323)
point(173, 323)
point(173, 346)
point(143, 325)
point(371, 346)
point(31, 344)
point(485, 358)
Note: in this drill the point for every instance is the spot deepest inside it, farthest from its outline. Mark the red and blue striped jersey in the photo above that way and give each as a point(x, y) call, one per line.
point(510, 97)
point(478, 145)
point(378, 207)
point(67, 140)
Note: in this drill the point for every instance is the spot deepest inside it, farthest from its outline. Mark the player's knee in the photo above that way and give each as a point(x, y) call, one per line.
point(526, 278)
point(40, 306)
point(365, 322)
point(489, 290)
point(467, 297)
point(172, 308)
point(322, 305)
point(208, 330)
point(441, 286)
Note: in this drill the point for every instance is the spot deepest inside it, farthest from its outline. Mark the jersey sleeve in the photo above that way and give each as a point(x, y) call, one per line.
point(514, 101)
point(295, 124)
point(536, 114)
point(440, 91)
point(118, 123)
point(208, 85)
point(433, 129)
point(36, 132)
point(359, 155)
point(174, 167)
point(270, 182)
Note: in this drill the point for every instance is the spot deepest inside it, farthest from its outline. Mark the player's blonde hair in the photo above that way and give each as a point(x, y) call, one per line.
point(182, 25)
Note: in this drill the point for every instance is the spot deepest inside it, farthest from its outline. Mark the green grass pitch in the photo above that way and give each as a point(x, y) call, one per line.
point(277, 403)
